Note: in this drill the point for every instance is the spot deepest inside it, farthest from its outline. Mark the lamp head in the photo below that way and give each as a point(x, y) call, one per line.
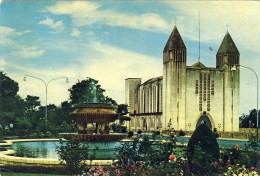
point(234, 68)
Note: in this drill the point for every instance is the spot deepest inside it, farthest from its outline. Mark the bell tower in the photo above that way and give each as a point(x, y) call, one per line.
point(228, 56)
point(174, 81)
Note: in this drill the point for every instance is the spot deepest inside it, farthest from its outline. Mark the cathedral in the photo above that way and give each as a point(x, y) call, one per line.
point(186, 96)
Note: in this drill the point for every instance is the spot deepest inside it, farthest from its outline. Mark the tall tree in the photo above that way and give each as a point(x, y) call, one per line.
point(249, 121)
point(8, 87)
point(88, 91)
point(12, 106)
point(32, 102)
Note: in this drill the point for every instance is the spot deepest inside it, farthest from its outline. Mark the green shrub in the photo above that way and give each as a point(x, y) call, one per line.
point(130, 134)
point(74, 152)
point(203, 143)
point(118, 128)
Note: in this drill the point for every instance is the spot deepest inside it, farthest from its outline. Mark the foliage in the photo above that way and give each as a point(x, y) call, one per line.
point(203, 163)
point(252, 145)
point(122, 109)
point(75, 154)
point(118, 128)
point(84, 92)
point(241, 171)
point(149, 157)
point(23, 127)
point(235, 156)
point(12, 106)
point(29, 170)
point(130, 134)
point(8, 87)
point(139, 131)
point(203, 143)
point(142, 149)
point(249, 121)
point(32, 102)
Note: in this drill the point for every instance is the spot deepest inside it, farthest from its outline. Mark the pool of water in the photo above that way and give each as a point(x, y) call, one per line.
point(107, 150)
point(47, 149)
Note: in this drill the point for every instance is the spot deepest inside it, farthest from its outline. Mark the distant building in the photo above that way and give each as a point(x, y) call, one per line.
point(186, 96)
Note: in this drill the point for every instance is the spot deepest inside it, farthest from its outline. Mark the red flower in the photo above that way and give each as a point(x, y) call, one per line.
point(236, 147)
point(172, 157)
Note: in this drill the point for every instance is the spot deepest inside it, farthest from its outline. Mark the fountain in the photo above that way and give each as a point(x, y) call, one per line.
point(92, 121)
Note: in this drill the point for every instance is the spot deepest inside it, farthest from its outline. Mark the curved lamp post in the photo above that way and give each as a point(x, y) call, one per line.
point(46, 90)
point(234, 69)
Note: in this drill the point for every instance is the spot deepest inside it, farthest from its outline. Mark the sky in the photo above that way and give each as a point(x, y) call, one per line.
point(113, 40)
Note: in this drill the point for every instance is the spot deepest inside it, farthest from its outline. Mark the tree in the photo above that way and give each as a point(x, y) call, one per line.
point(122, 109)
point(8, 87)
point(32, 102)
point(12, 106)
point(86, 91)
point(249, 121)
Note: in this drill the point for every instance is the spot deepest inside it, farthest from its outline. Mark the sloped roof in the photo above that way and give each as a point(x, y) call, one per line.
point(198, 65)
point(153, 80)
point(175, 41)
point(227, 45)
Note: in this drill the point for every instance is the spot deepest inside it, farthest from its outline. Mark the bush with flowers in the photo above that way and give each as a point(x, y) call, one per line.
point(238, 170)
point(247, 157)
point(143, 156)
point(150, 157)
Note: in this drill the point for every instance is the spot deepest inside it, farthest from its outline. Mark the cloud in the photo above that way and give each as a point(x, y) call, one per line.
point(58, 25)
point(9, 37)
point(76, 8)
point(112, 65)
point(242, 16)
point(9, 31)
point(87, 13)
point(30, 52)
point(109, 65)
point(75, 32)
point(27, 31)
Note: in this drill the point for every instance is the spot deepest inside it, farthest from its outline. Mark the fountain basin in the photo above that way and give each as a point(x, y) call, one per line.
point(94, 113)
point(92, 120)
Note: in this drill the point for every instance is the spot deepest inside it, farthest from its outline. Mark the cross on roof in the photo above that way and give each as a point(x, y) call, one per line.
point(175, 19)
point(227, 26)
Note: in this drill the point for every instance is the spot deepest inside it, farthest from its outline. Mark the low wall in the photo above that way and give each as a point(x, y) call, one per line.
point(244, 133)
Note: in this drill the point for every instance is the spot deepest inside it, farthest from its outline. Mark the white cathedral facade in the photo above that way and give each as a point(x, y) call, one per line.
point(186, 96)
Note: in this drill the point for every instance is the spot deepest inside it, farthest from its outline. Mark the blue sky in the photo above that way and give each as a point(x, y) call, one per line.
point(114, 40)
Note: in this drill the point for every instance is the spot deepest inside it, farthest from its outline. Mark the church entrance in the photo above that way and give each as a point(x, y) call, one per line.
point(204, 119)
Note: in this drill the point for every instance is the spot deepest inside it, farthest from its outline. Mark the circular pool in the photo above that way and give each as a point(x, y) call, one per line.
point(106, 150)
point(47, 149)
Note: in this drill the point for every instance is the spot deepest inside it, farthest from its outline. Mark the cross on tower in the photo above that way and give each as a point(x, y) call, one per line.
point(227, 26)
point(175, 19)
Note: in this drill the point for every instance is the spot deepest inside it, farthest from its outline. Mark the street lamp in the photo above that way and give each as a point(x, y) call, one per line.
point(233, 69)
point(46, 90)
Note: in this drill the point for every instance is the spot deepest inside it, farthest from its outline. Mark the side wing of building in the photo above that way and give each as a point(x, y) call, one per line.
point(145, 103)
